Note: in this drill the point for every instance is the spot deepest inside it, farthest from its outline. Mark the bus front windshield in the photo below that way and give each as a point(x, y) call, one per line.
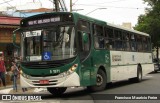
point(57, 43)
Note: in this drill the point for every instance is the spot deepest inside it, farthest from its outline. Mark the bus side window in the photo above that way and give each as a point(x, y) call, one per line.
point(118, 40)
point(133, 42)
point(98, 37)
point(145, 44)
point(109, 42)
point(98, 30)
point(148, 44)
point(126, 41)
point(139, 43)
point(99, 42)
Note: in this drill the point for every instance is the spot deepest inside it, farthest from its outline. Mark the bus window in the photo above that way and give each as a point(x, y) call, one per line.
point(133, 42)
point(33, 45)
point(84, 47)
point(99, 42)
point(109, 36)
point(139, 43)
point(118, 40)
point(83, 26)
point(109, 44)
point(145, 44)
point(126, 38)
point(98, 30)
point(149, 44)
point(99, 38)
point(109, 33)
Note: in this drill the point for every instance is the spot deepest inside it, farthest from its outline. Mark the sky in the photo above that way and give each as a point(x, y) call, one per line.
point(112, 11)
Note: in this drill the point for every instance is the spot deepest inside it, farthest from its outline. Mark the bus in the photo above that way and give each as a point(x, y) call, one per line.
point(63, 49)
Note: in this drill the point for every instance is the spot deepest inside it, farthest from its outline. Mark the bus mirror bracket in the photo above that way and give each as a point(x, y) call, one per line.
point(14, 38)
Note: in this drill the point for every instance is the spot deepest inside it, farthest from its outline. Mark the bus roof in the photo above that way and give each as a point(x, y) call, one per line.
point(109, 24)
point(100, 22)
point(130, 30)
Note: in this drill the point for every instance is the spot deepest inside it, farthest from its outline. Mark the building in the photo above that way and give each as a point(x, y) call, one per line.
point(7, 25)
point(127, 25)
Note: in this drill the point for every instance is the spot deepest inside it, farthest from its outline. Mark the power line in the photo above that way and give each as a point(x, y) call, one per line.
point(5, 2)
point(40, 2)
point(74, 2)
point(104, 2)
point(111, 6)
point(13, 7)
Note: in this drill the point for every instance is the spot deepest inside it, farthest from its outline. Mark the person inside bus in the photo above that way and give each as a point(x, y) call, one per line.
point(139, 43)
point(127, 45)
point(107, 46)
point(133, 42)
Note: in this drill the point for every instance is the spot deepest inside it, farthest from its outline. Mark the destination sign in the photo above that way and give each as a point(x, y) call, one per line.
point(47, 18)
point(43, 21)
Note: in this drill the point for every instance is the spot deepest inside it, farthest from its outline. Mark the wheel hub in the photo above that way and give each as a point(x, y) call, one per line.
point(99, 79)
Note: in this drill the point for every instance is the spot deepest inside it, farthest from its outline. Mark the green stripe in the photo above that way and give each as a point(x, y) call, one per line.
point(130, 64)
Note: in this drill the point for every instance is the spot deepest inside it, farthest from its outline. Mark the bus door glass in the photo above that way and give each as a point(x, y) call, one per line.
point(84, 39)
point(32, 45)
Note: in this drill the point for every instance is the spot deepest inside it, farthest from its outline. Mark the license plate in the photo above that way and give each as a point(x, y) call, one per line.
point(44, 82)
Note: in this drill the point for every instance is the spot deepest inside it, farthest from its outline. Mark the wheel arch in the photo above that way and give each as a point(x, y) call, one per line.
point(102, 68)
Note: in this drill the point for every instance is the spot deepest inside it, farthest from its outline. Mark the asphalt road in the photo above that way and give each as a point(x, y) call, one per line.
point(148, 87)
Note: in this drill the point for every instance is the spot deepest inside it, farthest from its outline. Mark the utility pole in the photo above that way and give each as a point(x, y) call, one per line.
point(56, 5)
point(70, 5)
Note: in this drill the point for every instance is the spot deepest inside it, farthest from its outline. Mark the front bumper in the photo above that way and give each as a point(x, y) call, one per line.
point(54, 81)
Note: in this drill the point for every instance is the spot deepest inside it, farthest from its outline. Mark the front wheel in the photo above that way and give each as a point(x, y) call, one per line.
point(101, 81)
point(57, 90)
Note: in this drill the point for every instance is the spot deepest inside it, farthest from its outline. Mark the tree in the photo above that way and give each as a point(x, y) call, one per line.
point(150, 22)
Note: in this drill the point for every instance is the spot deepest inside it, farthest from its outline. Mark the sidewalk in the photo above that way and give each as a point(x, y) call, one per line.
point(9, 90)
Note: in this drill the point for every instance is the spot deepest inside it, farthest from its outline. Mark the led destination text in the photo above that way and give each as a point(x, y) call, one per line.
point(43, 21)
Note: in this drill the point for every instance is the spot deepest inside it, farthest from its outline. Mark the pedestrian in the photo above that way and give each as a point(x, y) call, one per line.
point(15, 73)
point(2, 70)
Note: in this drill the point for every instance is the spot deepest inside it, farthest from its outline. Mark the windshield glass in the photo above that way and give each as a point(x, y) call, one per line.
point(55, 43)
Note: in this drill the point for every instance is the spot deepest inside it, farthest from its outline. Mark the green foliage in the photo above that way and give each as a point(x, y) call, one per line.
point(150, 22)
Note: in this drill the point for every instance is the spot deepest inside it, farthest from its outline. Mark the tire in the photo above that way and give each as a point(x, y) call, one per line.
point(57, 91)
point(139, 74)
point(101, 82)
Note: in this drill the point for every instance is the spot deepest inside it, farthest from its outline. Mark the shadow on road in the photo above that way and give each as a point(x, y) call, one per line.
point(123, 83)
point(73, 95)
point(84, 94)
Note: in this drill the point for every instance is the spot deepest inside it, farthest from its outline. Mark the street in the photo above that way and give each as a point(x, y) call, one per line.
point(149, 85)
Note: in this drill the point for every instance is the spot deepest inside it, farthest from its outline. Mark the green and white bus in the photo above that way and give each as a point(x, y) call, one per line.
point(63, 49)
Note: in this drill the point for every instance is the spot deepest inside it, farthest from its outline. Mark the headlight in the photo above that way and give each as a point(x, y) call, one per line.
point(71, 70)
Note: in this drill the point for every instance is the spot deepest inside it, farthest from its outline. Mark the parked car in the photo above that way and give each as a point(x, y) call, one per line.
point(156, 65)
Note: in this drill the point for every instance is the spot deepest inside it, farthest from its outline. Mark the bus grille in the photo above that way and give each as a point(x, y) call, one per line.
point(46, 64)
